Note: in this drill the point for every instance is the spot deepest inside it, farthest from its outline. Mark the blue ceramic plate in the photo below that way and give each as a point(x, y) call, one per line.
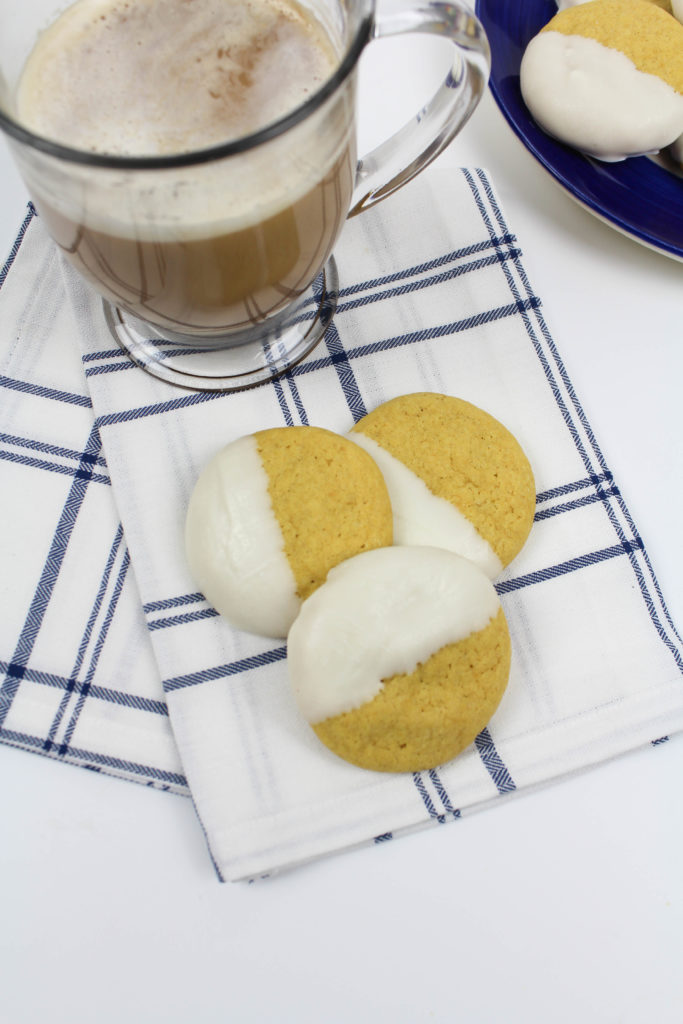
point(636, 196)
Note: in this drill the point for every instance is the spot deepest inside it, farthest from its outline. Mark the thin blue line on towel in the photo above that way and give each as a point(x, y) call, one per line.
point(156, 777)
point(48, 578)
point(74, 683)
point(560, 386)
point(128, 700)
point(16, 245)
point(225, 671)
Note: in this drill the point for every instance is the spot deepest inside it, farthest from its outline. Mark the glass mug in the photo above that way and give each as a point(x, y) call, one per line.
point(214, 263)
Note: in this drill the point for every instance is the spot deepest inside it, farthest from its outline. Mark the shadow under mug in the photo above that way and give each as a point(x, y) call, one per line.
point(215, 264)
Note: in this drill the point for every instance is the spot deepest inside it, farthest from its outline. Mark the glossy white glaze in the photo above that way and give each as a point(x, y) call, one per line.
point(421, 517)
point(594, 98)
point(377, 615)
point(234, 544)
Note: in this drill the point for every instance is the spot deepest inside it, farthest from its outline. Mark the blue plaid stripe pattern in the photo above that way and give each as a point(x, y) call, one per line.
point(434, 296)
point(71, 604)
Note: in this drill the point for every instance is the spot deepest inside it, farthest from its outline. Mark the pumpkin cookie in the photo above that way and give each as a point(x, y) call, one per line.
point(400, 658)
point(606, 77)
point(272, 513)
point(457, 477)
point(664, 4)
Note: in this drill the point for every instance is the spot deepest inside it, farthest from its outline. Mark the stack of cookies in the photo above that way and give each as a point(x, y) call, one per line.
point(374, 553)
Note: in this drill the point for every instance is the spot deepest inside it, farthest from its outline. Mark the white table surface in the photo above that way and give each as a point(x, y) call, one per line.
point(559, 906)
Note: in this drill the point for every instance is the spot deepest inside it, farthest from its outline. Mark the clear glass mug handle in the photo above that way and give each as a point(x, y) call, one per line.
point(403, 155)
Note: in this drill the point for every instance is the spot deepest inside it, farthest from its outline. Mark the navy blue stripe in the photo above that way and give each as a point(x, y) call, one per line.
point(345, 373)
point(172, 602)
point(313, 365)
point(431, 333)
point(132, 767)
point(172, 405)
point(48, 579)
point(571, 565)
point(99, 645)
point(181, 620)
point(502, 587)
point(137, 772)
point(40, 391)
point(50, 467)
point(224, 671)
point(427, 282)
point(46, 448)
point(426, 799)
point(494, 763)
point(117, 367)
point(282, 402)
point(437, 782)
point(128, 700)
point(378, 283)
point(423, 268)
point(85, 639)
point(16, 245)
point(595, 480)
point(636, 554)
point(296, 398)
point(123, 363)
point(107, 353)
point(341, 358)
point(570, 506)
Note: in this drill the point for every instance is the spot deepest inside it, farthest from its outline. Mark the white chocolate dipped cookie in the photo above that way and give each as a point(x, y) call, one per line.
point(666, 5)
point(457, 477)
point(272, 512)
point(606, 77)
point(400, 658)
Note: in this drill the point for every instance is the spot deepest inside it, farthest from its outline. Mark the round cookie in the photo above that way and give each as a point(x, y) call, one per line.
point(271, 514)
point(606, 77)
point(400, 658)
point(664, 4)
point(457, 477)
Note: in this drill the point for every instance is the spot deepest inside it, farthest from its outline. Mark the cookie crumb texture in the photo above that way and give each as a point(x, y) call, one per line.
point(465, 456)
point(424, 718)
point(644, 32)
point(329, 499)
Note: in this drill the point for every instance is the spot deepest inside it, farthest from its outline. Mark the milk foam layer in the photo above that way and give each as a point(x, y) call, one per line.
point(167, 104)
point(595, 99)
point(421, 517)
point(148, 77)
point(381, 614)
point(234, 544)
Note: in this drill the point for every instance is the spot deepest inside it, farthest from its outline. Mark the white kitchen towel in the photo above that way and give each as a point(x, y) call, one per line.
point(78, 679)
point(434, 296)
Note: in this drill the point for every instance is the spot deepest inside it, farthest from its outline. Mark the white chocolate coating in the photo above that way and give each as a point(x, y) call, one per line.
point(421, 517)
point(594, 98)
point(234, 545)
point(377, 615)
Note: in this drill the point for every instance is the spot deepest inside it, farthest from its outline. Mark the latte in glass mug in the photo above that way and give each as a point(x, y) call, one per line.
point(227, 242)
point(196, 162)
